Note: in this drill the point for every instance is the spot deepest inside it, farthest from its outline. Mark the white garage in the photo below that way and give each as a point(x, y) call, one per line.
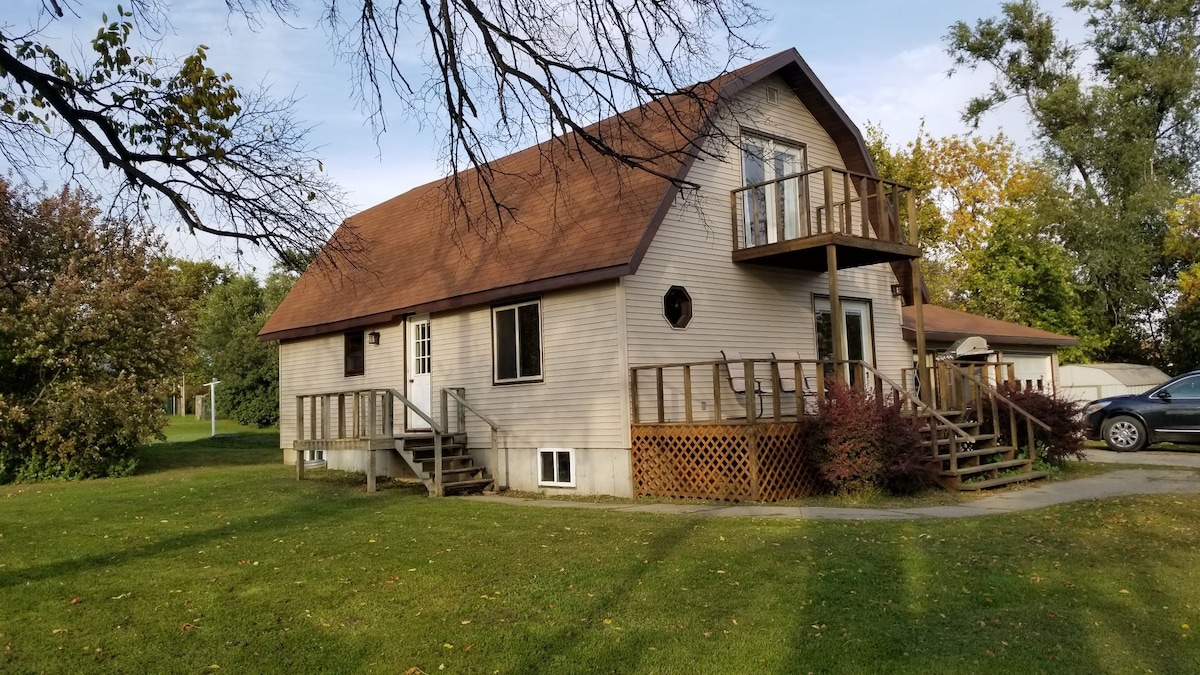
point(1090, 381)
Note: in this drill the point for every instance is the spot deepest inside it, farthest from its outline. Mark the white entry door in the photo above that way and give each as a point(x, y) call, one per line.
point(420, 360)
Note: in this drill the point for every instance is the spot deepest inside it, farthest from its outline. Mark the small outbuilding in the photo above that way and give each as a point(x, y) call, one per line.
point(1090, 381)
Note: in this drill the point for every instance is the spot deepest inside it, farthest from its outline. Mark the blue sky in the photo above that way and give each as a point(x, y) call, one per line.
point(884, 61)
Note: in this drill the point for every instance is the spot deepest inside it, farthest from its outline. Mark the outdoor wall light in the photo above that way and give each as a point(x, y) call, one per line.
point(897, 290)
point(373, 337)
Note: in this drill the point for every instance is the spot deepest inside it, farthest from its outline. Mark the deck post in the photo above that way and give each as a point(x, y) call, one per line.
point(717, 392)
point(325, 412)
point(312, 421)
point(918, 299)
point(445, 410)
point(687, 394)
point(658, 389)
point(299, 463)
point(460, 409)
point(299, 418)
point(438, 490)
point(633, 395)
point(751, 392)
point(835, 311)
point(371, 415)
point(865, 207)
point(370, 467)
point(827, 178)
point(341, 416)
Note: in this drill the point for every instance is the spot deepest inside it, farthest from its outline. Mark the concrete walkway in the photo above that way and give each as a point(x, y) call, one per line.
point(1120, 483)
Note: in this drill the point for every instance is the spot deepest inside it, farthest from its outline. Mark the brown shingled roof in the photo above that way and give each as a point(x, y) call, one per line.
point(579, 218)
point(943, 324)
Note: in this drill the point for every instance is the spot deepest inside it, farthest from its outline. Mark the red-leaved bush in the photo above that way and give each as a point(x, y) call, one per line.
point(868, 444)
point(1065, 438)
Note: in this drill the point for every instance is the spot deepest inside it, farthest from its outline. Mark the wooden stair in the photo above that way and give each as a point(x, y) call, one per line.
point(460, 474)
point(983, 462)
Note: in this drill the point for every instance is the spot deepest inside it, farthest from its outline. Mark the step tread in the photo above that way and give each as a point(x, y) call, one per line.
point(1004, 480)
point(977, 452)
point(464, 469)
point(975, 438)
point(967, 470)
point(467, 484)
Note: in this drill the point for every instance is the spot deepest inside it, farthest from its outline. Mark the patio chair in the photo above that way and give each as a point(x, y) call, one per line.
point(737, 376)
point(787, 378)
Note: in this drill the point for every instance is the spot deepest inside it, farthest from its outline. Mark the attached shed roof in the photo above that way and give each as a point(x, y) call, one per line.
point(943, 324)
point(577, 218)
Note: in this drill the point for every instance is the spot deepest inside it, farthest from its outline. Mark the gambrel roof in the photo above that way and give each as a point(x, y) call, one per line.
point(579, 218)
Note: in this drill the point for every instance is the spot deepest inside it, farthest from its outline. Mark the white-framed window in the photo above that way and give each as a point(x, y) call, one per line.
point(556, 467)
point(517, 342)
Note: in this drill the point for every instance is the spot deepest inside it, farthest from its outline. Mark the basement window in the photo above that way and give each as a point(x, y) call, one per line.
point(356, 354)
point(556, 467)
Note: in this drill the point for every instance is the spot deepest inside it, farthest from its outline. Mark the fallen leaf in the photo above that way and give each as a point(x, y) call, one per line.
point(1123, 591)
point(447, 645)
point(186, 626)
point(76, 600)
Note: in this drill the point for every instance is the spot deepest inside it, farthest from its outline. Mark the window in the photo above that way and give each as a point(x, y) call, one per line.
point(557, 467)
point(1188, 388)
point(772, 212)
point(517, 342)
point(356, 355)
point(677, 307)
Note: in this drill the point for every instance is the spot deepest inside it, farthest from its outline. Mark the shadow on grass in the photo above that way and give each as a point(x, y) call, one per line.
point(240, 449)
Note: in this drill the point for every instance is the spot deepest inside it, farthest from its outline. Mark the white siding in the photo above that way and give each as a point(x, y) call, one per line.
point(749, 308)
point(578, 403)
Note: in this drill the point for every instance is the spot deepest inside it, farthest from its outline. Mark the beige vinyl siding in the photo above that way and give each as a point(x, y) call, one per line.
point(316, 366)
point(577, 404)
point(753, 309)
point(578, 401)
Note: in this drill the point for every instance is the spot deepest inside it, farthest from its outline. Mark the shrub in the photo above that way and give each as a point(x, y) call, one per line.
point(866, 444)
point(1065, 438)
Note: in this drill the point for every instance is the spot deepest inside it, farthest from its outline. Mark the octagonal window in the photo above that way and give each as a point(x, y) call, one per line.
point(677, 307)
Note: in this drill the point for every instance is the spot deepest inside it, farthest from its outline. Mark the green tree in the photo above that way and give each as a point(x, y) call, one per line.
point(989, 219)
point(1116, 114)
point(228, 320)
point(90, 317)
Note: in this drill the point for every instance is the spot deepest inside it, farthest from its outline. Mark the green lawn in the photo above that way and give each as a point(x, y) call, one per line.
point(215, 557)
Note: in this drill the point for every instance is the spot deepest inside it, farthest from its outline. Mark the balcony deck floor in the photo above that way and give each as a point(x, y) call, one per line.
point(808, 253)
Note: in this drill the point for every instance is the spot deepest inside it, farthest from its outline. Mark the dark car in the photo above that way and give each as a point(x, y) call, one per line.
point(1169, 413)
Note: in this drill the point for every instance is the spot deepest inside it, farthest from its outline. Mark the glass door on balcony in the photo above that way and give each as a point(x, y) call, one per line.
point(771, 213)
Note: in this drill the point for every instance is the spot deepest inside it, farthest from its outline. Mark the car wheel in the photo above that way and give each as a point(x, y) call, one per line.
point(1124, 433)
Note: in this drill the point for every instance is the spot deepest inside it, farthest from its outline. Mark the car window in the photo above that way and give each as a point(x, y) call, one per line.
point(1186, 388)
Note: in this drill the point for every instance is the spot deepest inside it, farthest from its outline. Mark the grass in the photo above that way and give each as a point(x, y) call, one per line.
point(217, 557)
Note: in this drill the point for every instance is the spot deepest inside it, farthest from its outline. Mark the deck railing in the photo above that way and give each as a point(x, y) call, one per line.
point(1010, 424)
point(364, 415)
point(701, 392)
point(461, 408)
point(827, 200)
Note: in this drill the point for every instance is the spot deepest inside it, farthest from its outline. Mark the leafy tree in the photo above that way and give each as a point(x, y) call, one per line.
point(90, 318)
point(1116, 114)
point(228, 321)
point(990, 219)
point(495, 75)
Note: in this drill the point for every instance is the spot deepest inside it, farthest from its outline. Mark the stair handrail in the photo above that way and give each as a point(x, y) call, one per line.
point(994, 394)
point(438, 432)
point(918, 403)
point(459, 395)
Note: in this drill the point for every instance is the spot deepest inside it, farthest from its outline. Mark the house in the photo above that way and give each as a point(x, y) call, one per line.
point(580, 348)
point(1032, 353)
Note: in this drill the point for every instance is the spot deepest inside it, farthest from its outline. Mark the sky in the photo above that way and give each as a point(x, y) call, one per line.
point(883, 60)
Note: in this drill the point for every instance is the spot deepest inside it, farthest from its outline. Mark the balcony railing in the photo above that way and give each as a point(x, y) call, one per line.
point(825, 205)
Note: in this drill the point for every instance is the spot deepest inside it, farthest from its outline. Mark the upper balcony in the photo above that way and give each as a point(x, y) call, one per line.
point(791, 220)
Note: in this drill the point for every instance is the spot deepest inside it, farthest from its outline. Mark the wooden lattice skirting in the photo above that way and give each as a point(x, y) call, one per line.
point(731, 462)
